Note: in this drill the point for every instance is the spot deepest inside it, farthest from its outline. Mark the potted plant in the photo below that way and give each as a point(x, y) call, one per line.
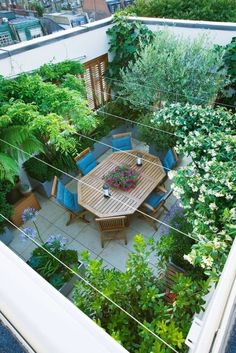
point(42, 261)
point(40, 169)
point(6, 236)
point(51, 269)
point(25, 189)
point(122, 177)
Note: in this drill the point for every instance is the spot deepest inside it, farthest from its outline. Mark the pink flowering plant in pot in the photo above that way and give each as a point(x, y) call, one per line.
point(122, 177)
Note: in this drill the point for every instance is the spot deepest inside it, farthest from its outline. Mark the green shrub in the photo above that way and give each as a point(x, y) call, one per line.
point(140, 293)
point(74, 83)
point(49, 267)
point(175, 245)
point(157, 137)
point(43, 172)
point(205, 10)
point(125, 40)
point(228, 95)
point(5, 208)
point(172, 69)
point(55, 73)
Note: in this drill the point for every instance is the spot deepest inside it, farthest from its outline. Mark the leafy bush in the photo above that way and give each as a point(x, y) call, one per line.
point(42, 172)
point(139, 292)
point(74, 83)
point(206, 187)
point(172, 69)
point(228, 95)
point(49, 267)
point(5, 208)
point(206, 10)
point(50, 98)
point(162, 139)
point(125, 40)
point(17, 134)
point(175, 245)
point(55, 73)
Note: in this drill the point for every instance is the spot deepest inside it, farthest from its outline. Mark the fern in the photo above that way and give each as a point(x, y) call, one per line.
point(8, 168)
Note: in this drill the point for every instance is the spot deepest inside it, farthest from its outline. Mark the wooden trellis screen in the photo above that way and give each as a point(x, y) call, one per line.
point(97, 90)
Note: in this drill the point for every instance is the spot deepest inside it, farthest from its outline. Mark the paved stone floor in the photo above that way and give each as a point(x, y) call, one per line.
point(52, 219)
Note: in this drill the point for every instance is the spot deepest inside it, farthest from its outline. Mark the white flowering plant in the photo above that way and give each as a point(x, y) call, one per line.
point(206, 187)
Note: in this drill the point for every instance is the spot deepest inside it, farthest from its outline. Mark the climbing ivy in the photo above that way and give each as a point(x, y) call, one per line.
point(126, 39)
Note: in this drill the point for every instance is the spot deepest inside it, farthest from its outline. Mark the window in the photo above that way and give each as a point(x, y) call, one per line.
point(5, 39)
point(22, 36)
point(36, 32)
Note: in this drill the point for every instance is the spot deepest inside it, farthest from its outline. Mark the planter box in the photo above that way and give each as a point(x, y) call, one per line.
point(68, 286)
point(7, 236)
point(24, 202)
point(43, 188)
point(66, 179)
point(161, 154)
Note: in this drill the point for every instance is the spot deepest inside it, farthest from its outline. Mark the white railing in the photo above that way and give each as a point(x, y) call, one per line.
point(48, 321)
point(210, 331)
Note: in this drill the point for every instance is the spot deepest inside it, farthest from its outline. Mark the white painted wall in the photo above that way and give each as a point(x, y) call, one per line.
point(85, 45)
point(48, 321)
point(94, 42)
point(178, 27)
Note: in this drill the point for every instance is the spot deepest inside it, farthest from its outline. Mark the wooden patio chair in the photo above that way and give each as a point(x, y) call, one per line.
point(122, 142)
point(170, 273)
point(154, 202)
point(85, 161)
point(68, 200)
point(112, 228)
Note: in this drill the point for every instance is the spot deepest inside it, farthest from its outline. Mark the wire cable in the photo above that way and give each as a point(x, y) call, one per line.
point(137, 123)
point(117, 149)
point(100, 191)
point(109, 263)
point(169, 92)
point(91, 285)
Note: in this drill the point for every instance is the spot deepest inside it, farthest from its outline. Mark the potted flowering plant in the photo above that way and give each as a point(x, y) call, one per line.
point(44, 258)
point(122, 177)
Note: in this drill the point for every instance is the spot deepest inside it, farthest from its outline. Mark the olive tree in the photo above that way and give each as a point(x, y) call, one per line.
point(173, 69)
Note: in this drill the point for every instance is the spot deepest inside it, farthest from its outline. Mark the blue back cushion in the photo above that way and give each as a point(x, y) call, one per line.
point(67, 198)
point(169, 161)
point(122, 143)
point(154, 199)
point(87, 163)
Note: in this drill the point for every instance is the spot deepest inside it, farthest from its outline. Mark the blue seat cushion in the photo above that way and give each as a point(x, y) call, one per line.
point(87, 163)
point(169, 161)
point(154, 199)
point(122, 143)
point(67, 198)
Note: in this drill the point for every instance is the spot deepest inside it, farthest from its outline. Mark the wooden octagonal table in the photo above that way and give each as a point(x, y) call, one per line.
point(90, 192)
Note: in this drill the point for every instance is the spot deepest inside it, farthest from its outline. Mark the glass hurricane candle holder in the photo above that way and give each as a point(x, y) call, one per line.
point(106, 190)
point(139, 161)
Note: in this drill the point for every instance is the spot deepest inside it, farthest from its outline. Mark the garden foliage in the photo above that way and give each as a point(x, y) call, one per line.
point(172, 69)
point(42, 113)
point(126, 39)
point(141, 293)
point(49, 267)
point(5, 207)
point(229, 65)
point(204, 10)
point(206, 187)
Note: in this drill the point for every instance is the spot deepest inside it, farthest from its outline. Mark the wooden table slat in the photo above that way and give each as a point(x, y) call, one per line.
point(90, 194)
